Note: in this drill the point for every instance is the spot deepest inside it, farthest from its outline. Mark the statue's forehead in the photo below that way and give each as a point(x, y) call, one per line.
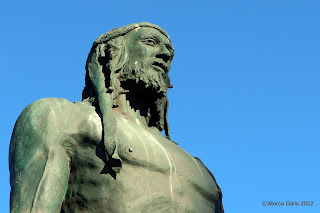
point(137, 26)
point(141, 32)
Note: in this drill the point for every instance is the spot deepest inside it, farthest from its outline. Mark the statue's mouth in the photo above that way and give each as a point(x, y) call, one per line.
point(161, 66)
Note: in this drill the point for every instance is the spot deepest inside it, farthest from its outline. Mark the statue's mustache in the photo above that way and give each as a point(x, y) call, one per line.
point(156, 62)
point(160, 63)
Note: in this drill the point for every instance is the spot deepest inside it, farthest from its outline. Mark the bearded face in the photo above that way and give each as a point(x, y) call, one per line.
point(149, 58)
point(142, 72)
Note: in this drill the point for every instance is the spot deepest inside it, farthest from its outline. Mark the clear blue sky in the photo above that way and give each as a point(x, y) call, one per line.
point(245, 74)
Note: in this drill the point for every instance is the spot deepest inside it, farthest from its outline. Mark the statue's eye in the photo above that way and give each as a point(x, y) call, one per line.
point(169, 48)
point(149, 41)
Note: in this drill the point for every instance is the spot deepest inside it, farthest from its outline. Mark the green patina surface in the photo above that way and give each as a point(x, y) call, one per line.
point(106, 153)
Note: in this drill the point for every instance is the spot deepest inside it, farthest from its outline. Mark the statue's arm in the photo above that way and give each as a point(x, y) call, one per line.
point(218, 204)
point(39, 165)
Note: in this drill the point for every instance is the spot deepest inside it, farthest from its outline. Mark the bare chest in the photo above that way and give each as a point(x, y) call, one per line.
point(156, 175)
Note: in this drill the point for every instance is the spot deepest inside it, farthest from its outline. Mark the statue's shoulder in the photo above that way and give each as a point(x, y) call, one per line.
point(42, 111)
point(55, 108)
point(47, 123)
point(46, 105)
point(50, 118)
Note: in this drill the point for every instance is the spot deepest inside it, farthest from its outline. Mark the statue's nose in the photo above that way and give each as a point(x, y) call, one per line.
point(164, 53)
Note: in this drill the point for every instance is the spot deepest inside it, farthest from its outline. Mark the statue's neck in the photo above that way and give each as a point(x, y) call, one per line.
point(135, 106)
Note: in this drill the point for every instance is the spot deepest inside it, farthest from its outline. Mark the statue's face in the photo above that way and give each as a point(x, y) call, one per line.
point(148, 45)
point(149, 55)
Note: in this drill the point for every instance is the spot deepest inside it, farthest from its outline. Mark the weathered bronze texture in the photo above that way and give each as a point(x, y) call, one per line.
point(106, 153)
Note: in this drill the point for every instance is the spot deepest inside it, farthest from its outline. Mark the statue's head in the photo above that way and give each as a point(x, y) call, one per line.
point(136, 57)
point(140, 53)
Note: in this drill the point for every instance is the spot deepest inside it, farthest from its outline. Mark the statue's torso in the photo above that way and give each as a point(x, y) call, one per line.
point(156, 174)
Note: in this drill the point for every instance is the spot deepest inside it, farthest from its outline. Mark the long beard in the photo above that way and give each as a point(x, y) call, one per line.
point(151, 78)
point(142, 82)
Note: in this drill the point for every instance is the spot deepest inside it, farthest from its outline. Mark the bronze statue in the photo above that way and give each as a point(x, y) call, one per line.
point(106, 153)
